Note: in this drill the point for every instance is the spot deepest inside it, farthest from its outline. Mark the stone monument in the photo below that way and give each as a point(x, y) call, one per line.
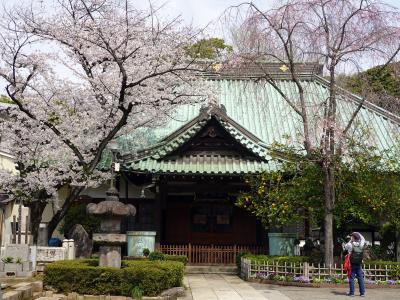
point(83, 243)
point(139, 240)
point(110, 239)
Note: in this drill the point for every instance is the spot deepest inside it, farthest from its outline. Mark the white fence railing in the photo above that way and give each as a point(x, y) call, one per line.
point(256, 269)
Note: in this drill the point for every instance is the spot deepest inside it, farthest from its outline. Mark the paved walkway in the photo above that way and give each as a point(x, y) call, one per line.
point(230, 287)
point(225, 287)
point(301, 293)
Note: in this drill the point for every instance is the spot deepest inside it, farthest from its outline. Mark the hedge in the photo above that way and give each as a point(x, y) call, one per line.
point(86, 277)
point(181, 258)
point(269, 258)
point(161, 256)
point(392, 265)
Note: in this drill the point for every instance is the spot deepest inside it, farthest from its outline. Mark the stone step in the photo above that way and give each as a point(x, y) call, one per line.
point(211, 269)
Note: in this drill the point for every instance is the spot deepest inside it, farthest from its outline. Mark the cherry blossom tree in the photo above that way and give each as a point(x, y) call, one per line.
point(340, 35)
point(81, 73)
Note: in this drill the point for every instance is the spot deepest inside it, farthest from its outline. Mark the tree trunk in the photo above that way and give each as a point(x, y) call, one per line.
point(329, 194)
point(36, 210)
point(328, 166)
point(398, 245)
point(60, 214)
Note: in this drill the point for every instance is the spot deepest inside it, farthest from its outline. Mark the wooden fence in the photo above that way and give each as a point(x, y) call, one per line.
point(251, 269)
point(210, 254)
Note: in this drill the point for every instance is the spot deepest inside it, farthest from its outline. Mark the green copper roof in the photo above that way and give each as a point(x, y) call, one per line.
point(202, 164)
point(256, 117)
point(175, 141)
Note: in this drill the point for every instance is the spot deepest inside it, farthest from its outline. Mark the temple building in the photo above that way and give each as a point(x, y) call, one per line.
point(185, 180)
point(184, 177)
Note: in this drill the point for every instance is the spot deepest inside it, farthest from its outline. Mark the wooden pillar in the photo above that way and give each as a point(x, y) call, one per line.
point(158, 212)
point(26, 230)
point(14, 230)
point(1, 226)
point(19, 221)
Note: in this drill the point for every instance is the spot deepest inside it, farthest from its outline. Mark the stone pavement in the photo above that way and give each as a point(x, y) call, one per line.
point(230, 287)
point(301, 293)
point(225, 287)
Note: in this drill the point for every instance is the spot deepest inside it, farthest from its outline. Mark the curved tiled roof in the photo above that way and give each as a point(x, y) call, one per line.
point(257, 116)
point(213, 164)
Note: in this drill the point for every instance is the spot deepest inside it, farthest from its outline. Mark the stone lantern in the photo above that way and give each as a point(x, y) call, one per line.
point(111, 211)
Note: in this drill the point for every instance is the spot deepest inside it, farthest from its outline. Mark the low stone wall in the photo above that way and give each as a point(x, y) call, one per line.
point(166, 295)
point(21, 260)
point(34, 290)
point(49, 254)
point(24, 290)
point(43, 254)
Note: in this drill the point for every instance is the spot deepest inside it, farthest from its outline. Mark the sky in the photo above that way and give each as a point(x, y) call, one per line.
point(199, 13)
point(202, 12)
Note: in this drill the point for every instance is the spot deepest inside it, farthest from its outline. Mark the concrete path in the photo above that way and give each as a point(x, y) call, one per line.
point(225, 287)
point(230, 287)
point(301, 293)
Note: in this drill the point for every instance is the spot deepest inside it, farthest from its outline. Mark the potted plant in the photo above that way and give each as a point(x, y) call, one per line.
point(146, 252)
point(11, 266)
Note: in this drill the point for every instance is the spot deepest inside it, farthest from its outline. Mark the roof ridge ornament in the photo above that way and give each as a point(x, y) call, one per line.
point(212, 109)
point(283, 68)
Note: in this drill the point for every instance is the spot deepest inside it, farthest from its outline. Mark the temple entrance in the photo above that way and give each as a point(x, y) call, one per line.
point(196, 216)
point(208, 228)
point(207, 219)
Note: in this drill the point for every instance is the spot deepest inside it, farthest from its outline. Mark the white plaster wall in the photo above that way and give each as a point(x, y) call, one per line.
point(6, 233)
point(7, 163)
point(12, 210)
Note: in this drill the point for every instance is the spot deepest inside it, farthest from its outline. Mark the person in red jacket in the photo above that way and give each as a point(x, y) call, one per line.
point(347, 265)
point(355, 247)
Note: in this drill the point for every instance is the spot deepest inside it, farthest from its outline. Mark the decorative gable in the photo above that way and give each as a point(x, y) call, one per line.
point(210, 144)
point(213, 139)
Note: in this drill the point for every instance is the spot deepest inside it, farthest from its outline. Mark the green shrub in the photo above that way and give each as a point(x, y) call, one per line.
point(161, 256)
point(268, 258)
point(156, 256)
point(181, 258)
point(146, 252)
point(7, 260)
point(393, 266)
point(261, 259)
point(86, 277)
point(136, 293)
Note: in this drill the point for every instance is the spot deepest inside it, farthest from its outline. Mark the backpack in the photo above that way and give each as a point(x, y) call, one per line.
point(357, 254)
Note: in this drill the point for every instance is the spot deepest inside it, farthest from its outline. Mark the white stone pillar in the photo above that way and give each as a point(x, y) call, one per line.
point(66, 248)
point(33, 254)
point(71, 249)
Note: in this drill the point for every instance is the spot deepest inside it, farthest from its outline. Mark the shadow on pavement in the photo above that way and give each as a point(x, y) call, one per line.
point(339, 293)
